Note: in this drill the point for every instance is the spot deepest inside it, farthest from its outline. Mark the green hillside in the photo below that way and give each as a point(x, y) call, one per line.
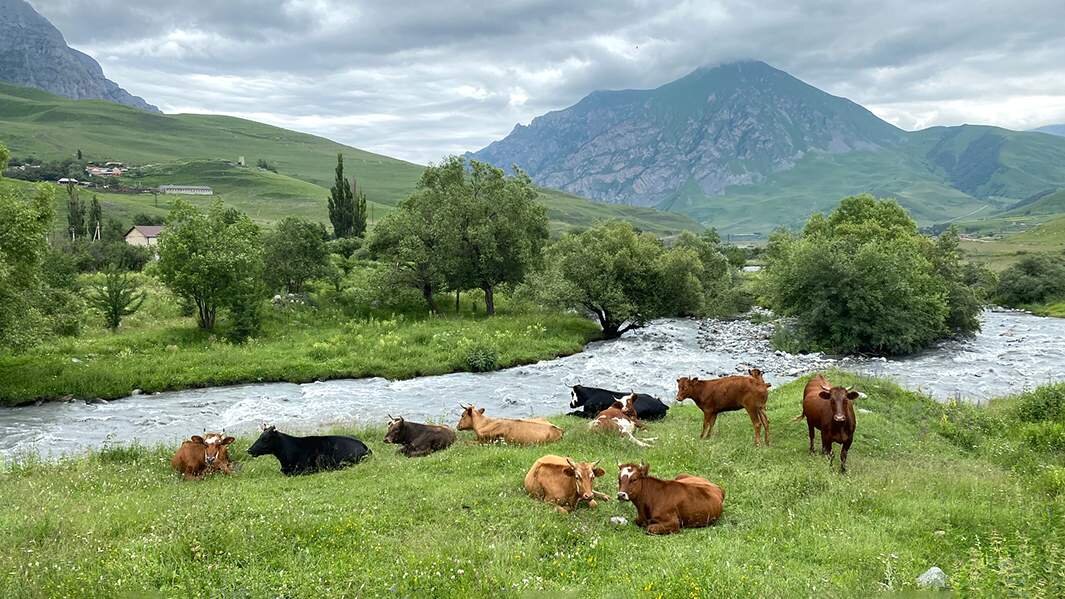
point(202, 149)
point(1000, 253)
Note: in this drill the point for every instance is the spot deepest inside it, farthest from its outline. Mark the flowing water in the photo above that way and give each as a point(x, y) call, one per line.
point(1012, 352)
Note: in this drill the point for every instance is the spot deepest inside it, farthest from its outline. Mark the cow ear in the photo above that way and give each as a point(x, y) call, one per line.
point(481, 411)
point(598, 472)
point(824, 394)
point(568, 471)
point(196, 439)
point(228, 440)
point(853, 395)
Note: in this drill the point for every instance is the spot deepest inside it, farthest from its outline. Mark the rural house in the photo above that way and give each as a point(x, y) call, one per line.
point(191, 190)
point(143, 234)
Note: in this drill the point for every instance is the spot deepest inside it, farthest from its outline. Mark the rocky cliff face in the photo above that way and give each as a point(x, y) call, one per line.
point(33, 53)
point(731, 124)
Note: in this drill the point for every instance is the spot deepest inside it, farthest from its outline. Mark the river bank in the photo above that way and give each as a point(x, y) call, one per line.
point(118, 522)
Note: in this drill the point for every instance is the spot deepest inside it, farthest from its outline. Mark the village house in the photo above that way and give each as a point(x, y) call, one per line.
point(190, 190)
point(143, 235)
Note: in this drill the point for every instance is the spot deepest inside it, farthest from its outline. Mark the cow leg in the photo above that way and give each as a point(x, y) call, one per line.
point(665, 527)
point(756, 423)
point(708, 424)
point(602, 496)
point(810, 429)
point(592, 503)
point(765, 423)
point(562, 509)
point(843, 457)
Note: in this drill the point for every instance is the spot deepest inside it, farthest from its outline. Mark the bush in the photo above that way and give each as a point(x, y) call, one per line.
point(1044, 436)
point(1046, 403)
point(1036, 279)
point(480, 357)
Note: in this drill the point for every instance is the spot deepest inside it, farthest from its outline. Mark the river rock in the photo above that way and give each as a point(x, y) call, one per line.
point(136, 392)
point(933, 578)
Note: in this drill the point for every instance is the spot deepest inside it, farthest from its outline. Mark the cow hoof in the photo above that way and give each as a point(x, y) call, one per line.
point(593, 503)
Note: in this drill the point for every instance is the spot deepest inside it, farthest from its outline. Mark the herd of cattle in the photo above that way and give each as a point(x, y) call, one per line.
point(662, 506)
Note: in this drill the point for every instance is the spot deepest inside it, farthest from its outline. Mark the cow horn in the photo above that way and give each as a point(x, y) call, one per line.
point(850, 388)
point(595, 463)
point(570, 462)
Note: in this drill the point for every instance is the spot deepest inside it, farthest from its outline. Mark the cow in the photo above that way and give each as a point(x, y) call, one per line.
point(563, 482)
point(592, 400)
point(830, 410)
point(516, 431)
point(306, 455)
point(666, 506)
point(199, 456)
point(621, 419)
point(727, 394)
point(418, 439)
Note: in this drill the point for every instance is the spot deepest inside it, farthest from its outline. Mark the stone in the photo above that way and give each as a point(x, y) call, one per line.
point(618, 520)
point(136, 392)
point(933, 578)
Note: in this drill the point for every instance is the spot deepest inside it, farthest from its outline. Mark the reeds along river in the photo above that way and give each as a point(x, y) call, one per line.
point(1013, 351)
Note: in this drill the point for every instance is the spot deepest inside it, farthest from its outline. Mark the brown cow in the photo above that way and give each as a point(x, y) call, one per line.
point(510, 430)
point(621, 419)
point(830, 410)
point(666, 506)
point(727, 394)
point(563, 482)
point(199, 456)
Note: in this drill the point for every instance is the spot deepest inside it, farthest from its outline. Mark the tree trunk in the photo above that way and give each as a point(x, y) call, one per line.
point(457, 307)
point(489, 300)
point(427, 293)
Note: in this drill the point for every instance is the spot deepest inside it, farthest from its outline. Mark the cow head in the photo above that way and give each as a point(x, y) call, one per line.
point(468, 412)
point(395, 430)
point(584, 475)
point(266, 443)
point(838, 396)
point(215, 447)
point(630, 405)
point(686, 386)
point(756, 374)
point(576, 400)
point(629, 476)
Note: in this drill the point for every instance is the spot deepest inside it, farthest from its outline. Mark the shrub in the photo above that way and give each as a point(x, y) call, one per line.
point(1045, 436)
point(1046, 403)
point(480, 357)
point(1035, 279)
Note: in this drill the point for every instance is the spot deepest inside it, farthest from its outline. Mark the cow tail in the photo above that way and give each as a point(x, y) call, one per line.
point(800, 416)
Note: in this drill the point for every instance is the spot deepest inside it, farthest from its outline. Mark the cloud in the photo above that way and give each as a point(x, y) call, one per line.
point(420, 79)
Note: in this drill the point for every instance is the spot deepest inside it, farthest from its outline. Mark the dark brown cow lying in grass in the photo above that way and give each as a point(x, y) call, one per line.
point(727, 394)
point(418, 439)
point(563, 482)
point(666, 506)
point(830, 410)
point(515, 431)
point(199, 456)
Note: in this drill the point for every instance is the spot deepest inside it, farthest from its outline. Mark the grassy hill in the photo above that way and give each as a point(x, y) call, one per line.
point(927, 485)
point(999, 253)
point(200, 149)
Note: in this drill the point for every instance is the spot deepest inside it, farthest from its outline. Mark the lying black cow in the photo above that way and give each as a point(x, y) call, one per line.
point(593, 400)
point(418, 439)
point(305, 455)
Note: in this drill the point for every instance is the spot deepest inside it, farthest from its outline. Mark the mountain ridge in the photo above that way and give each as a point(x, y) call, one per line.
point(33, 53)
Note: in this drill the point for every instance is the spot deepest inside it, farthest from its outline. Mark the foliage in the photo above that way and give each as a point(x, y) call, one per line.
point(358, 216)
point(75, 213)
point(263, 164)
point(296, 253)
point(144, 219)
point(115, 297)
point(345, 246)
point(212, 258)
point(24, 225)
point(5, 155)
point(622, 278)
point(411, 241)
point(96, 218)
point(863, 279)
point(480, 357)
point(1046, 403)
point(341, 203)
point(1035, 279)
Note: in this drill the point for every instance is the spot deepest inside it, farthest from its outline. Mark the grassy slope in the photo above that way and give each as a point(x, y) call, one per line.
point(33, 123)
point(1000, 253)
point(458, 523)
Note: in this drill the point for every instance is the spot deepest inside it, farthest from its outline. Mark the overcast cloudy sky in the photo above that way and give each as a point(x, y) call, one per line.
point(420, 79)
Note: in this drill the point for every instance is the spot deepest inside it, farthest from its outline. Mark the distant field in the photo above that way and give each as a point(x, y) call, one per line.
point(1000, 253)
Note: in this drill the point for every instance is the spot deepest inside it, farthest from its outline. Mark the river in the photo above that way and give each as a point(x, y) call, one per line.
point(1013, 351)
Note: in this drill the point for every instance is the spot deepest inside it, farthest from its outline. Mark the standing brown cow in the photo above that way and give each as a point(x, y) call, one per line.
point(666, 506)
point(563, 482)
point(199, 456)
point(830, 410)
point(727, 394)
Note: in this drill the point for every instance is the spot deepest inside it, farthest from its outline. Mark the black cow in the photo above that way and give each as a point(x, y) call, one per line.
point(594, 400)
point(418, 439)
point(306, 455)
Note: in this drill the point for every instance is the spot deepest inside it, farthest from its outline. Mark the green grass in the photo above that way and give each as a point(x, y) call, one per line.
point(194, 149)
point(159, 350)
point(999, 253)
point(459, 524)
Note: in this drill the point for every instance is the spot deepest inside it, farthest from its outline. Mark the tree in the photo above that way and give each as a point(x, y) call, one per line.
point(863, 279)
point(341, 203)
point(75, 212)
point(24, 227)
point(96, 216)
point(296, 253)
point(263, 164)
point(358, 220)
point(1035, 279)
point(495, 228)
point(144, 219)
point(79, 154)
point(5, 155)
point(213, 258)
point(115, 297)
point(622, 278)
point(411, 241)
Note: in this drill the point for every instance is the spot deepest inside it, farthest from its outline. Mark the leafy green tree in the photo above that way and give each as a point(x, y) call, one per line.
point(341, 203)
point(358, 218)
point(144, 219)
point(296, 253)
point(5, 155)
point(115, 297)
point(24, 227)
point(622, 278)
point(1035, 279)
point(411, 240)
point(75, 213)
point(863, 279)
point(79, 153)
point(212, 258)
point(96, 216)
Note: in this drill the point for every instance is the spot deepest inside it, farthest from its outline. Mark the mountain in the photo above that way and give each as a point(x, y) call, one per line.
point(729, 125)
point(1052, 129)
point(746, 147)
point(199, 149)
point(33, 53)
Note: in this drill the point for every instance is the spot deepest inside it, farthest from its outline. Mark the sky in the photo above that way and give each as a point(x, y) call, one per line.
point(418, 79)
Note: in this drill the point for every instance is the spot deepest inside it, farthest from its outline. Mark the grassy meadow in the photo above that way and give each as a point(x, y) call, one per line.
point(997, 254)
point(927, 485)
point(158, 349)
